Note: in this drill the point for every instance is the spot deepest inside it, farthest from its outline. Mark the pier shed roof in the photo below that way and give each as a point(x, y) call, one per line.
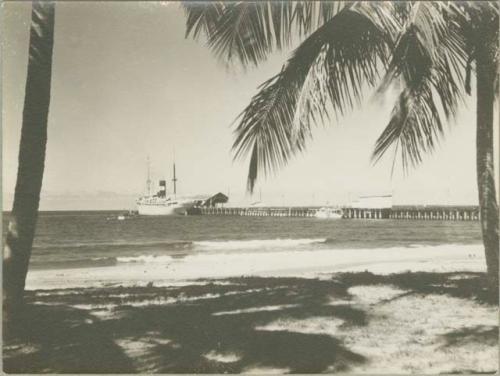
point(219, 198)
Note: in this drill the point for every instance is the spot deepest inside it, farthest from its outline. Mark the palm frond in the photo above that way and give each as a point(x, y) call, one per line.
point(387, 16)
point(303, 16)
point(449, 85)
point(325, 73)
point(414, 128)
point(248, 31)
point(201, 17)
point(310, 15)
point(263, 131)
point(478, 25)
point(429, 38)
point(429, 57)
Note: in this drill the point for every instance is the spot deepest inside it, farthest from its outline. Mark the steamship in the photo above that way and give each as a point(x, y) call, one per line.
point(160, 203)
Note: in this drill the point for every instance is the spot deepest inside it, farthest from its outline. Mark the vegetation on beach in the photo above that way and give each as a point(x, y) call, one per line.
point(427, 51)
point(348, 322)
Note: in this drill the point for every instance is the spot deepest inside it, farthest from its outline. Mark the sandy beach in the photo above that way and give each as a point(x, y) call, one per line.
point(350, 322)
point(165, 270)
point(363, 311)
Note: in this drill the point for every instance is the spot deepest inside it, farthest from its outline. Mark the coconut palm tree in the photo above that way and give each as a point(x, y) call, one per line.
point(24, 213)
point(427, 50)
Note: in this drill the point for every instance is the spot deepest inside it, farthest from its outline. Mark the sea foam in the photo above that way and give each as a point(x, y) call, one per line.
point(145, 259)
point(256, 243)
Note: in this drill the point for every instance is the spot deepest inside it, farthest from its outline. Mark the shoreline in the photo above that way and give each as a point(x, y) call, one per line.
point(281, 263)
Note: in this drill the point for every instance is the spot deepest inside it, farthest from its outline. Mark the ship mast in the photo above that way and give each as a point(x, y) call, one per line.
point(175, 182)
point(148, 181)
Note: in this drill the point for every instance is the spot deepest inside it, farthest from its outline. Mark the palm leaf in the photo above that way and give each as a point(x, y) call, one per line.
point(478, 25)
point(414, 128)
point(248, 31)
point(429, 59)
point(201, 17)
point(244, 31)
point(325, 73)
point(310, 15)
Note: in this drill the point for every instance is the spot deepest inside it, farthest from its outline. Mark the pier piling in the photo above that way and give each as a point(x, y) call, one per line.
point(425, 213)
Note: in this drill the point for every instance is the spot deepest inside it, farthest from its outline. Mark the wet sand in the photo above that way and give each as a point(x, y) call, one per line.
point(304, 264)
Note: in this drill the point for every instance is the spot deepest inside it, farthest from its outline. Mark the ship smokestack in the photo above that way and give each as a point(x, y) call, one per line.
point(163, 188)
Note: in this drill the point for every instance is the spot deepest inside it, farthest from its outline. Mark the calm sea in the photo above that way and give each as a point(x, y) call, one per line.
point(90, 239)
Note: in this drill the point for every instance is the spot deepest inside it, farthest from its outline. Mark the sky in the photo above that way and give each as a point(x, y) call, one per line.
point(127, 84)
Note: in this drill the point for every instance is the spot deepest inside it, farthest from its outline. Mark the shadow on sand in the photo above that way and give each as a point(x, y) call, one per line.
point(216, 327)
point(464, 285)
point(483, 334)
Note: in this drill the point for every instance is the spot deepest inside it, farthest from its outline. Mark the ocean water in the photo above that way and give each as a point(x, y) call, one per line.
point(68, 240)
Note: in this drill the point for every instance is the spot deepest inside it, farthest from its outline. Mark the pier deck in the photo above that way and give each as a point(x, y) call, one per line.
point(438, 213)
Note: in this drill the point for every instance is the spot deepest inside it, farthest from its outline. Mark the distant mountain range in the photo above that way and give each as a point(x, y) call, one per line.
point(100, 200)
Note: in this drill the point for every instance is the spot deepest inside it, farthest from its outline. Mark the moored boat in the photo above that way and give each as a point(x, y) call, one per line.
point(162, 204)
point(329, 213)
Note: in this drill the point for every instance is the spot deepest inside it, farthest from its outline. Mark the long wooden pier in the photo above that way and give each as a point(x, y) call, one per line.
point(446, 213)
point(427, 213)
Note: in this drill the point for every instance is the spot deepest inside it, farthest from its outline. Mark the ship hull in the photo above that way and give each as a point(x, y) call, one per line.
point(328, 216)
point(151, 209)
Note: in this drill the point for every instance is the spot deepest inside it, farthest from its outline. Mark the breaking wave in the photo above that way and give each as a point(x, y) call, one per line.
point(172, 244)
point(257, 244)
point(145, 259)
point(74, 263)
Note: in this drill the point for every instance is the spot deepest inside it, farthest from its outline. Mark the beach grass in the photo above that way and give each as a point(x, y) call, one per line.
point(348, 322)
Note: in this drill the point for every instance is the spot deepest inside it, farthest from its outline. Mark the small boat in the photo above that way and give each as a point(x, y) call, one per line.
point(329, 213)
point(127, 215)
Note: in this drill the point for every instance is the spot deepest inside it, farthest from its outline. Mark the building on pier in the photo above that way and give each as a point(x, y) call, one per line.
point(373, 202)
point(370, 207)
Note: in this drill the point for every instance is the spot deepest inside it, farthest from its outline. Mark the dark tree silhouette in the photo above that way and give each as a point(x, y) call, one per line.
point(24, 214)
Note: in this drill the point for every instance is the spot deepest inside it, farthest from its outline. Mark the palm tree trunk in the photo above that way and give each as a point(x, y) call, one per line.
point(485, 162)
point(24, 214)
